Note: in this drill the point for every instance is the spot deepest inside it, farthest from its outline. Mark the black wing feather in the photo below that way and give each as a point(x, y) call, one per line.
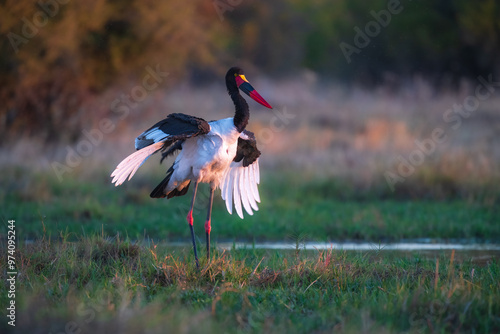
point(171, 150)
point(172, 131)
point(175, 127)
point(247, 149)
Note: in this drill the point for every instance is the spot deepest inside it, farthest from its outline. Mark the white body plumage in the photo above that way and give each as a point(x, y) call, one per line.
point(208, 159)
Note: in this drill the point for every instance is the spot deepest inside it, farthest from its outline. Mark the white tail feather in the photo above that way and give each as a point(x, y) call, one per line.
point(130, 164)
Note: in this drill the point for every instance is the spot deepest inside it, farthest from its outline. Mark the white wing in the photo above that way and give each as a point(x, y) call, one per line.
point(130, 164)
point(155, 135)
point(240, 186)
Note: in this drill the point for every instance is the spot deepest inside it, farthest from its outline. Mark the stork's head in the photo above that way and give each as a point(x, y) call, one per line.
point(235, 78)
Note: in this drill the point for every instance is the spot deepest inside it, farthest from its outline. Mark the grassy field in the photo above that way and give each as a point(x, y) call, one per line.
point(93, 258)
point(321, 210)
point(74, 278)
point(102, 285)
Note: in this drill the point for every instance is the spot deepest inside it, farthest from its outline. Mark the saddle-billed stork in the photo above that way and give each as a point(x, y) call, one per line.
point(221, 153)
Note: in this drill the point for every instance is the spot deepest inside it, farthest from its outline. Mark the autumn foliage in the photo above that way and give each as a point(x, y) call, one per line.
point(57, 55)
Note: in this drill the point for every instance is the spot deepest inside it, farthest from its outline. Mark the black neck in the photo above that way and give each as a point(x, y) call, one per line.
point(241, 114)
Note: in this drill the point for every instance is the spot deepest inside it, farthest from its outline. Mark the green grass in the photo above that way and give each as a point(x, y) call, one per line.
point(74, 279)
point(103, 285)
point(321, 209)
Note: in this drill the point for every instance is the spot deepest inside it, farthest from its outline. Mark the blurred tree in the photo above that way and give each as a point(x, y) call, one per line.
point(268, 35)
point(57, 54)
point(480, 28)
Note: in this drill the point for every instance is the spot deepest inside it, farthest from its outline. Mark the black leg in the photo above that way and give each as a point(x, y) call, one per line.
point(208, 226)
point(194, 247)
point(190, 222)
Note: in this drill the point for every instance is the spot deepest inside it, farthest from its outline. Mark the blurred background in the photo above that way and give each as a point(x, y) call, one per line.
point(359, 89)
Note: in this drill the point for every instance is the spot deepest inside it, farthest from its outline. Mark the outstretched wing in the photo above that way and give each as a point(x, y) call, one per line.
point(130, 165)
point(173, 129)
point(242, 177)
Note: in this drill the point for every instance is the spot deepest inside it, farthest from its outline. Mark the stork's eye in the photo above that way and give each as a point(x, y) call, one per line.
point(235, 74)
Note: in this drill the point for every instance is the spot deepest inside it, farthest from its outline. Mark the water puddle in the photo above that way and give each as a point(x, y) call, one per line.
point(363, 246)
point(480, 254)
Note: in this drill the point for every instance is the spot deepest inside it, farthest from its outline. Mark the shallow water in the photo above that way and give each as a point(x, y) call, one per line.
point(399, 246)
point(479, 253)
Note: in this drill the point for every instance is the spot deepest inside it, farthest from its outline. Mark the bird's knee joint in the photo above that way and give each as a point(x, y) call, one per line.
point(208, 227)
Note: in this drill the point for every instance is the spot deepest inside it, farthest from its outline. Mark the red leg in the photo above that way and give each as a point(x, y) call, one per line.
point(208, 226)
point(190, 222)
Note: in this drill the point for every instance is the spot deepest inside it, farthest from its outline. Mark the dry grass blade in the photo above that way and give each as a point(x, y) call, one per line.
point(257, 266)
point(312, 283)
